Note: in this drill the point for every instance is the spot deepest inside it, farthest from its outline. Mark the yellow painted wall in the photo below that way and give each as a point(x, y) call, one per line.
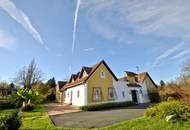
point(150, 85)
point(96, 81)
point(131, 77)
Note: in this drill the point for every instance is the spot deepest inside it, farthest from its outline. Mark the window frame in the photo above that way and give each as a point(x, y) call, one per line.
point(78, 93)
point(114, 93)
point(123, 94)
point(102, 74)
point(100, 98)
point(67, 94)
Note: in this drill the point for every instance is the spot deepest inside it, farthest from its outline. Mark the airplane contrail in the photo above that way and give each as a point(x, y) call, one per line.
point(75, 25)
point(10, 8)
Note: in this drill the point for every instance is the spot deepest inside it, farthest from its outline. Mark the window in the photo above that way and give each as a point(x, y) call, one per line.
point(97, 94)
point(111, 93)
point(68, 94)
point(84, 74)
point(64, 94)
point(123, 94)
point(102, 74)
point(78, 93)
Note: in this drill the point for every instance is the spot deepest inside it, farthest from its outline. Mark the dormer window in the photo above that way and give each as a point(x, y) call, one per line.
point(102, 74)
point(72, 80)
point(84, 74)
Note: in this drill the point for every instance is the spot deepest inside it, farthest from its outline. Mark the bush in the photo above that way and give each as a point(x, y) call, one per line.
point(105, 106)
point(171, 99)
point(154, 97)
point(4, 104)
point(50, 97)
point(28, 107)
point(11, 121)
point(161, 111)
point(24, 95)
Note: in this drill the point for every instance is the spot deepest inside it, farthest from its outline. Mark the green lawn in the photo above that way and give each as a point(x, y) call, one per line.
point(38, 119)
point(5, 112)
point(148, 124)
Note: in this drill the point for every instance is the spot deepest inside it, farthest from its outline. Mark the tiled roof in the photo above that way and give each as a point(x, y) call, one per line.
point(61, 84)
point(87, 69)
point(139, 78)
point(129, 72)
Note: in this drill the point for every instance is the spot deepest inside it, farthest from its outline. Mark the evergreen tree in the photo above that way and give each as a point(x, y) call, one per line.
point(162, 83)
point(51, 83)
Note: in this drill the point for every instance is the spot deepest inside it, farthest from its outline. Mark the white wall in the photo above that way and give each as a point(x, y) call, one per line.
point(145, 93)
point(121, 86)
point(142, 94)
point(76, 101)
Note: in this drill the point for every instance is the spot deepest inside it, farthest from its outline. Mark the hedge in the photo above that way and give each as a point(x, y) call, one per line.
point(105, 106)
point(11, 121)
point(4, 104)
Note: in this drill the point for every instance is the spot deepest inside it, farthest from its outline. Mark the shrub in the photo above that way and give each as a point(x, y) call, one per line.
point(4, 104)
point(27, 107)
point(105, 106)
point(24, 95)
point(171, 99)
point(178, 108)
point(11, 121)
point(154, 97)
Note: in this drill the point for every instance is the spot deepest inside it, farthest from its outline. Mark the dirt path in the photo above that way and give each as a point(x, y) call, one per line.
point(57, 109)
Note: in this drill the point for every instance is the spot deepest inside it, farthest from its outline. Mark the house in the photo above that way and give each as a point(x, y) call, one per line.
point(139, 86)
point(59, 90)
point(98, 84)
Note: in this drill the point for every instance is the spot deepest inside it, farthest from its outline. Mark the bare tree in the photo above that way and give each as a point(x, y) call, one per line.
point(29, 75)
point(185, 75)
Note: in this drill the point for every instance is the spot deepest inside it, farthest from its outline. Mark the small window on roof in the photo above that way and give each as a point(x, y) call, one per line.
point(102, 74)
point(84, 74)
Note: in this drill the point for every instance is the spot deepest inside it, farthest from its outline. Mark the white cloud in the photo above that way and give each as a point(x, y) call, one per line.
point(6, 40)
point(159, 18)
point(181, 54)
point(10, 8)
point(168, 52)
point(75, 25)
point(166, 18)
point(89, 49)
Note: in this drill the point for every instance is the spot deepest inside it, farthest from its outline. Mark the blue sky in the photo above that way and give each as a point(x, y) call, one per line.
point(153, 35)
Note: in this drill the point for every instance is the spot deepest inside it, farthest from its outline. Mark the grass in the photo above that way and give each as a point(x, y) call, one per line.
point(148, 124)
point(38, 119)
point(4, 112)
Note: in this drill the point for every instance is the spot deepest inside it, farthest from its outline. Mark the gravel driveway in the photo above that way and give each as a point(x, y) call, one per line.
point(98, 118)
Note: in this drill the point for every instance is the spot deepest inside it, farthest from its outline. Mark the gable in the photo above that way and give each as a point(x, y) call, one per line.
point(151, 86)
point(96, 66)
point(103, 82)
